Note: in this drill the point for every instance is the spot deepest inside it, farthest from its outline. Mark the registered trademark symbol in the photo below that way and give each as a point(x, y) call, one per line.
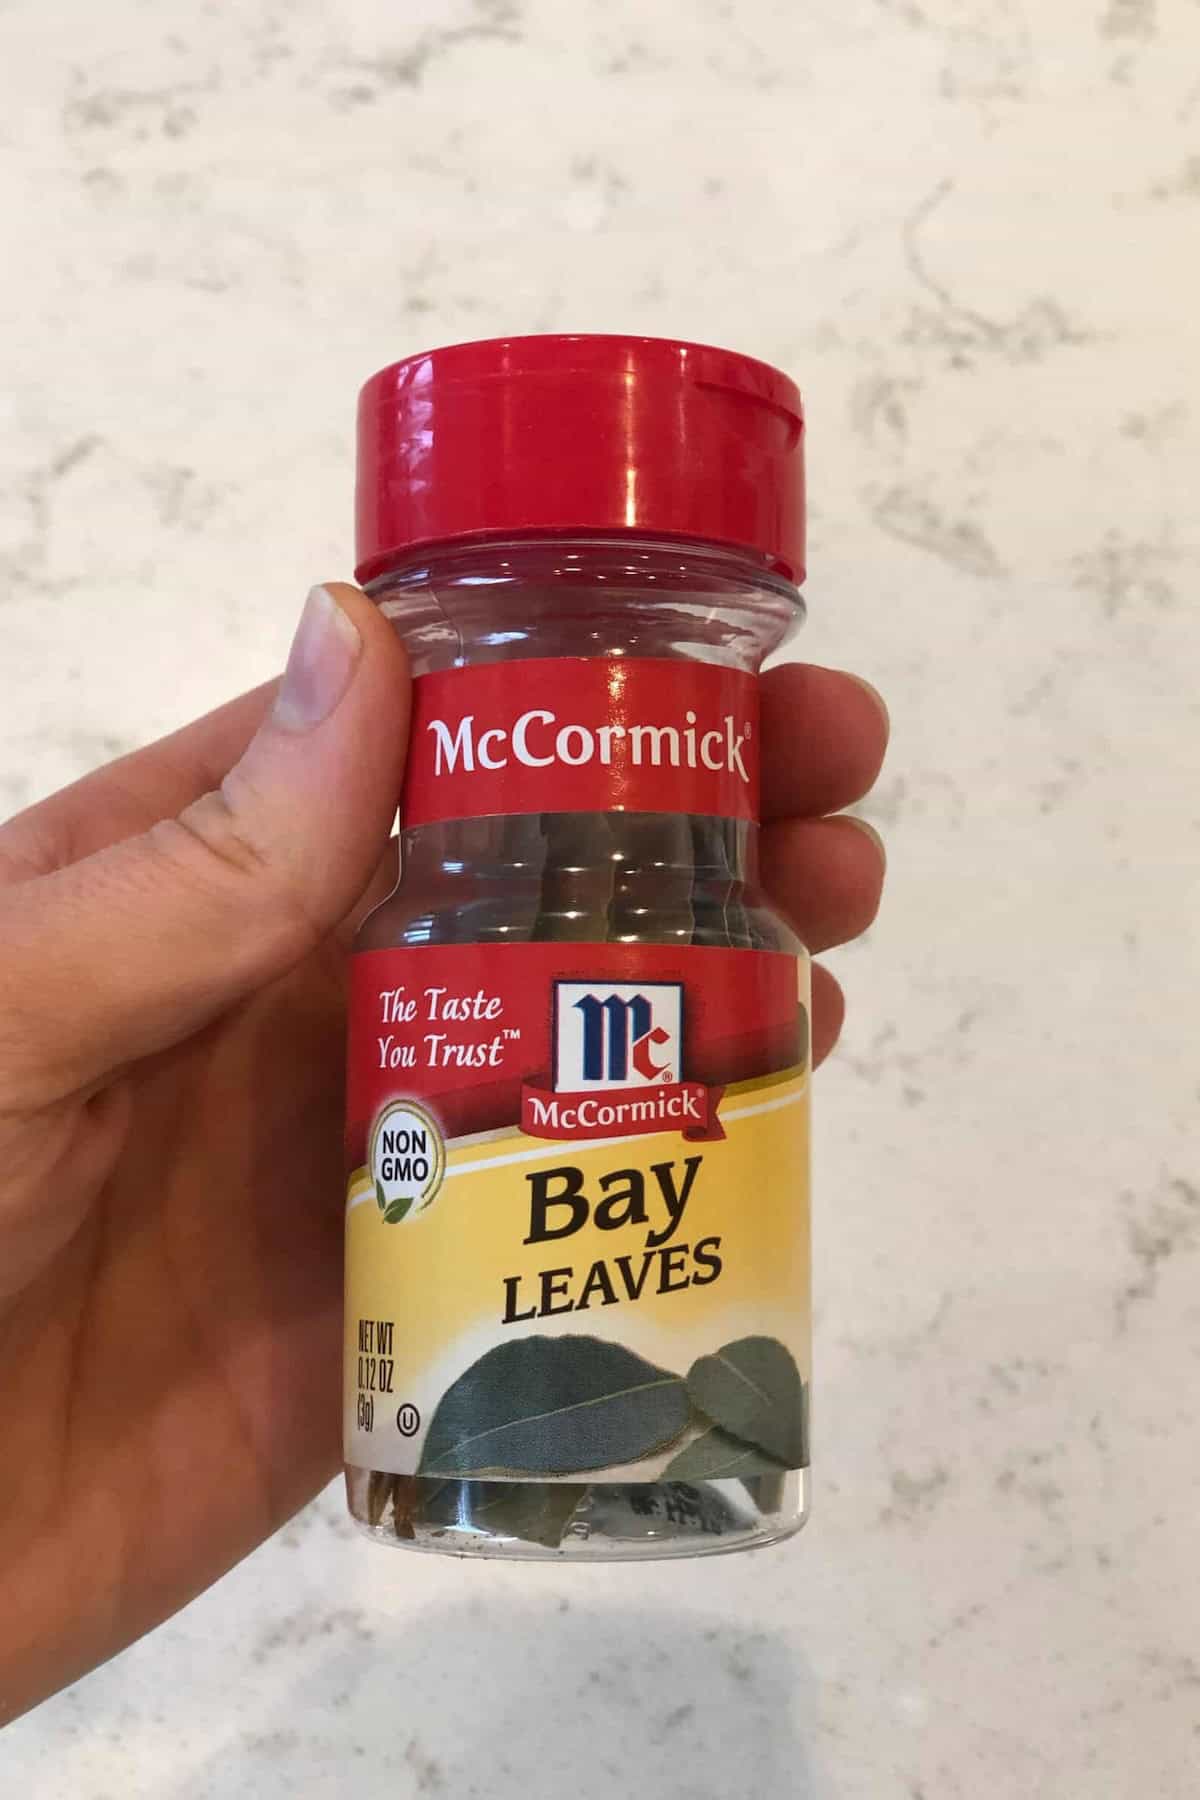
point(408, 1420)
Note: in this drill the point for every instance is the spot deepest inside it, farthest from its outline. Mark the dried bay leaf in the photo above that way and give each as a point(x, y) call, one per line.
point(715, 1456)
point(768, 1492)
point(532, 1511)
point(554, 1406)
point(753, 1390)
point(405, 1497)
point(380, 1483)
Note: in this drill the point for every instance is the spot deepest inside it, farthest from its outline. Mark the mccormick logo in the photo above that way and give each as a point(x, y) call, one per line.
point(617, 1037)
point(618, 1066)
point(538, 741)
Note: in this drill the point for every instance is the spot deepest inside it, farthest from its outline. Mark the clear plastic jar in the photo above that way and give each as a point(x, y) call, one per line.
point(612, 876)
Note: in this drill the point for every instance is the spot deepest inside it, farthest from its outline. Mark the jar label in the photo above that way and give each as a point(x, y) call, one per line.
point(577, 1212)
point(583, 734)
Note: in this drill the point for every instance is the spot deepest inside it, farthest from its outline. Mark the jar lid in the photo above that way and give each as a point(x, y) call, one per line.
point(580, 434)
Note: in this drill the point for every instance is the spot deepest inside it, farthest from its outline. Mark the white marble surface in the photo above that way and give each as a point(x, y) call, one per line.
point(972, 229)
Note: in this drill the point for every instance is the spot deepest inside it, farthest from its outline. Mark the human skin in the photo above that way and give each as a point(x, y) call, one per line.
point(173, 940)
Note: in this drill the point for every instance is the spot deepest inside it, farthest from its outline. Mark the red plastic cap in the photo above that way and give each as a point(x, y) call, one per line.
point(580, 435)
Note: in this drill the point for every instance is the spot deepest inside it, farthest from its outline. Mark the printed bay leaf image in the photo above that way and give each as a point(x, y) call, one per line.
point(715, 1456)
point(753, 1390)
point(554, 1406)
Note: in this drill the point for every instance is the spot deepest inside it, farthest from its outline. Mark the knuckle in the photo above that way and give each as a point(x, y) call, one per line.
point(212, 826)
point(214, 840)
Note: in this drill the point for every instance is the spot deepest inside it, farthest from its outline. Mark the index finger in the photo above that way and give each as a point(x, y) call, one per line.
point(824, 733)
point(126, 797)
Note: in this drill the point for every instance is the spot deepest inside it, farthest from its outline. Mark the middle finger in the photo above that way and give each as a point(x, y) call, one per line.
point(824, 875)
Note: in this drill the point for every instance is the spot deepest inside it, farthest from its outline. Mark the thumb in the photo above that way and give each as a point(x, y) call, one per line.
point(137, 946)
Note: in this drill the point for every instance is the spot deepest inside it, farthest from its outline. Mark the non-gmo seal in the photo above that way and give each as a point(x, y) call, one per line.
point(407, 1160)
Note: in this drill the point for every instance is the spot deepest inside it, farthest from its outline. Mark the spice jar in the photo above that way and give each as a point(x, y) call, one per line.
point(577, 1241)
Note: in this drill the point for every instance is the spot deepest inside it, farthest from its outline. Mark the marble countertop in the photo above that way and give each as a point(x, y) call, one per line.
point(972, 229)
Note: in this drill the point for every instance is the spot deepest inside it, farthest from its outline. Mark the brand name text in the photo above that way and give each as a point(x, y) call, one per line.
point(537, 740)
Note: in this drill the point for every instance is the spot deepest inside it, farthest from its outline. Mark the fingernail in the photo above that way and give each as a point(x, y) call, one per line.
point(320, 664)
point(876, 696)
point(869, 831)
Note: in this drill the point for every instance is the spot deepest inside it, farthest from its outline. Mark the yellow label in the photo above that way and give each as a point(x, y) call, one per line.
point(622, 1307)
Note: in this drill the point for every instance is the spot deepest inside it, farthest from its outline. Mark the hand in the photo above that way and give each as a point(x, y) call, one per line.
point(173, 937)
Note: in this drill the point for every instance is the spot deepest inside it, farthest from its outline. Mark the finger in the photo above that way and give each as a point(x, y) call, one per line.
point(825, 876)
point(828, 1011)
point(824, 734)
point(138, 945)
point(131, 794)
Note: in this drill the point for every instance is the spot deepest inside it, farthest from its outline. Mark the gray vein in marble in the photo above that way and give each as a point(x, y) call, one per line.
point(427, 1771)
point(1041, 326)
point(1157, 427)
point(879, 411)
point(140, 112)
point(296, 1630)
point(494, 21)
point(1053, 791)
point(900, 1348)
point(914, 1496)
point(910, 1071)
point(1028, 1479)
point(906, 10)
point(634, 59)
point(987, 55)
point(1178, 1673)
point(1122, 572)
point(1163, 1226)
point(25, 563)
point(1130, 19)
point(918, 519)
point(674, 1718)
point(990, 59)
point(1034, 697)
point(959, 1622)
point(1183, 185)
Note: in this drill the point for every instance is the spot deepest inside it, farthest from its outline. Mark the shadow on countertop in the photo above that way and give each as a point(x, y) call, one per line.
point(534, 1696)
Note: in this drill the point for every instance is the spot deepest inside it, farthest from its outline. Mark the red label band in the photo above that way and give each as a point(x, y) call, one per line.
point(684, 1106)
point(583, 734)
point(566, 1040)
